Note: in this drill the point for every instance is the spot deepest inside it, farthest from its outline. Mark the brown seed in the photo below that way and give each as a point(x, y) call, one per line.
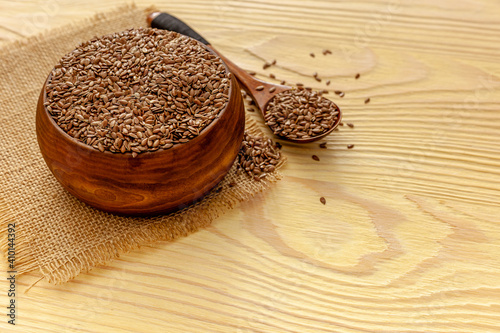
point(342, 94)
point(357, 76)
point(274, 62)
point(259, 88)
point(350, 146)
point(252, 73)
point(322, 200)
point(367, 101)
point(322, 145)
point(126, 95)
point(328, 82)
point(316, 158)
point(325, 52)
point(266, 66)
point(311, 114)
point(257, 156)
point(272, 76)
point(272, 89)
point(350, 125)
point(312, 55)
point(338, 92)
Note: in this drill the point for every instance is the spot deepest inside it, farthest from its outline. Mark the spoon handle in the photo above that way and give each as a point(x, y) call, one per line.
point(168, 22)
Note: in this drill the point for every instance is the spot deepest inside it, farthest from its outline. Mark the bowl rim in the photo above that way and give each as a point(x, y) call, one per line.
point(146, 154)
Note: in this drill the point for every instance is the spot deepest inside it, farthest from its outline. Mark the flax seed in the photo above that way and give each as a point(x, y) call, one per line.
point(119, 92)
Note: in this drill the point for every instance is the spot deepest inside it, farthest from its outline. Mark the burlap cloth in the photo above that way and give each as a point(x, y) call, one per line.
point(55, 232)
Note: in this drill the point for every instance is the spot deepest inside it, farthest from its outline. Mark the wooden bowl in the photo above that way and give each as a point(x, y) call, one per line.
point(154, 182)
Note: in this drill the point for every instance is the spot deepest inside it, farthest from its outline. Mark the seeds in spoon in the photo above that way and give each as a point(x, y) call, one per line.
point(300, 114)
point(259, 88)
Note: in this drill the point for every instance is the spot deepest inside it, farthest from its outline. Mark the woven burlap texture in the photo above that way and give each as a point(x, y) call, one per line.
point(56, 233)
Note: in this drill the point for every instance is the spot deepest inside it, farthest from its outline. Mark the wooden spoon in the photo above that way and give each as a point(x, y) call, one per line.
point(261, 97)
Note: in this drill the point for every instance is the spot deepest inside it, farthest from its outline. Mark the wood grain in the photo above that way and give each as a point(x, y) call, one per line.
point(409, 238)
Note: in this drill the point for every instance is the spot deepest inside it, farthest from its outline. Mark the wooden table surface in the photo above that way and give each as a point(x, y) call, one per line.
point(409, 238)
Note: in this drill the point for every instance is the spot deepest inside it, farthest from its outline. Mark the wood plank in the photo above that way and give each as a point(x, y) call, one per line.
point(408, 240)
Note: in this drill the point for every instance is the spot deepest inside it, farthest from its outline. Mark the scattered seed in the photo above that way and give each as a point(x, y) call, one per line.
point(259, 88)
point(338, 92)
point(322, 200)
point(325, 52)
point(350, 125)
point(328, 82)
point(266, 65)
point(367, 101)
point(350, 146)
point(258, 156)
point(322, 145)
point(342, 94)
point(312, 55)
point(274, 62)
point(316, 158)
point(272, 76)
point(283, 83)
point(357, 76)
point(252, 73)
